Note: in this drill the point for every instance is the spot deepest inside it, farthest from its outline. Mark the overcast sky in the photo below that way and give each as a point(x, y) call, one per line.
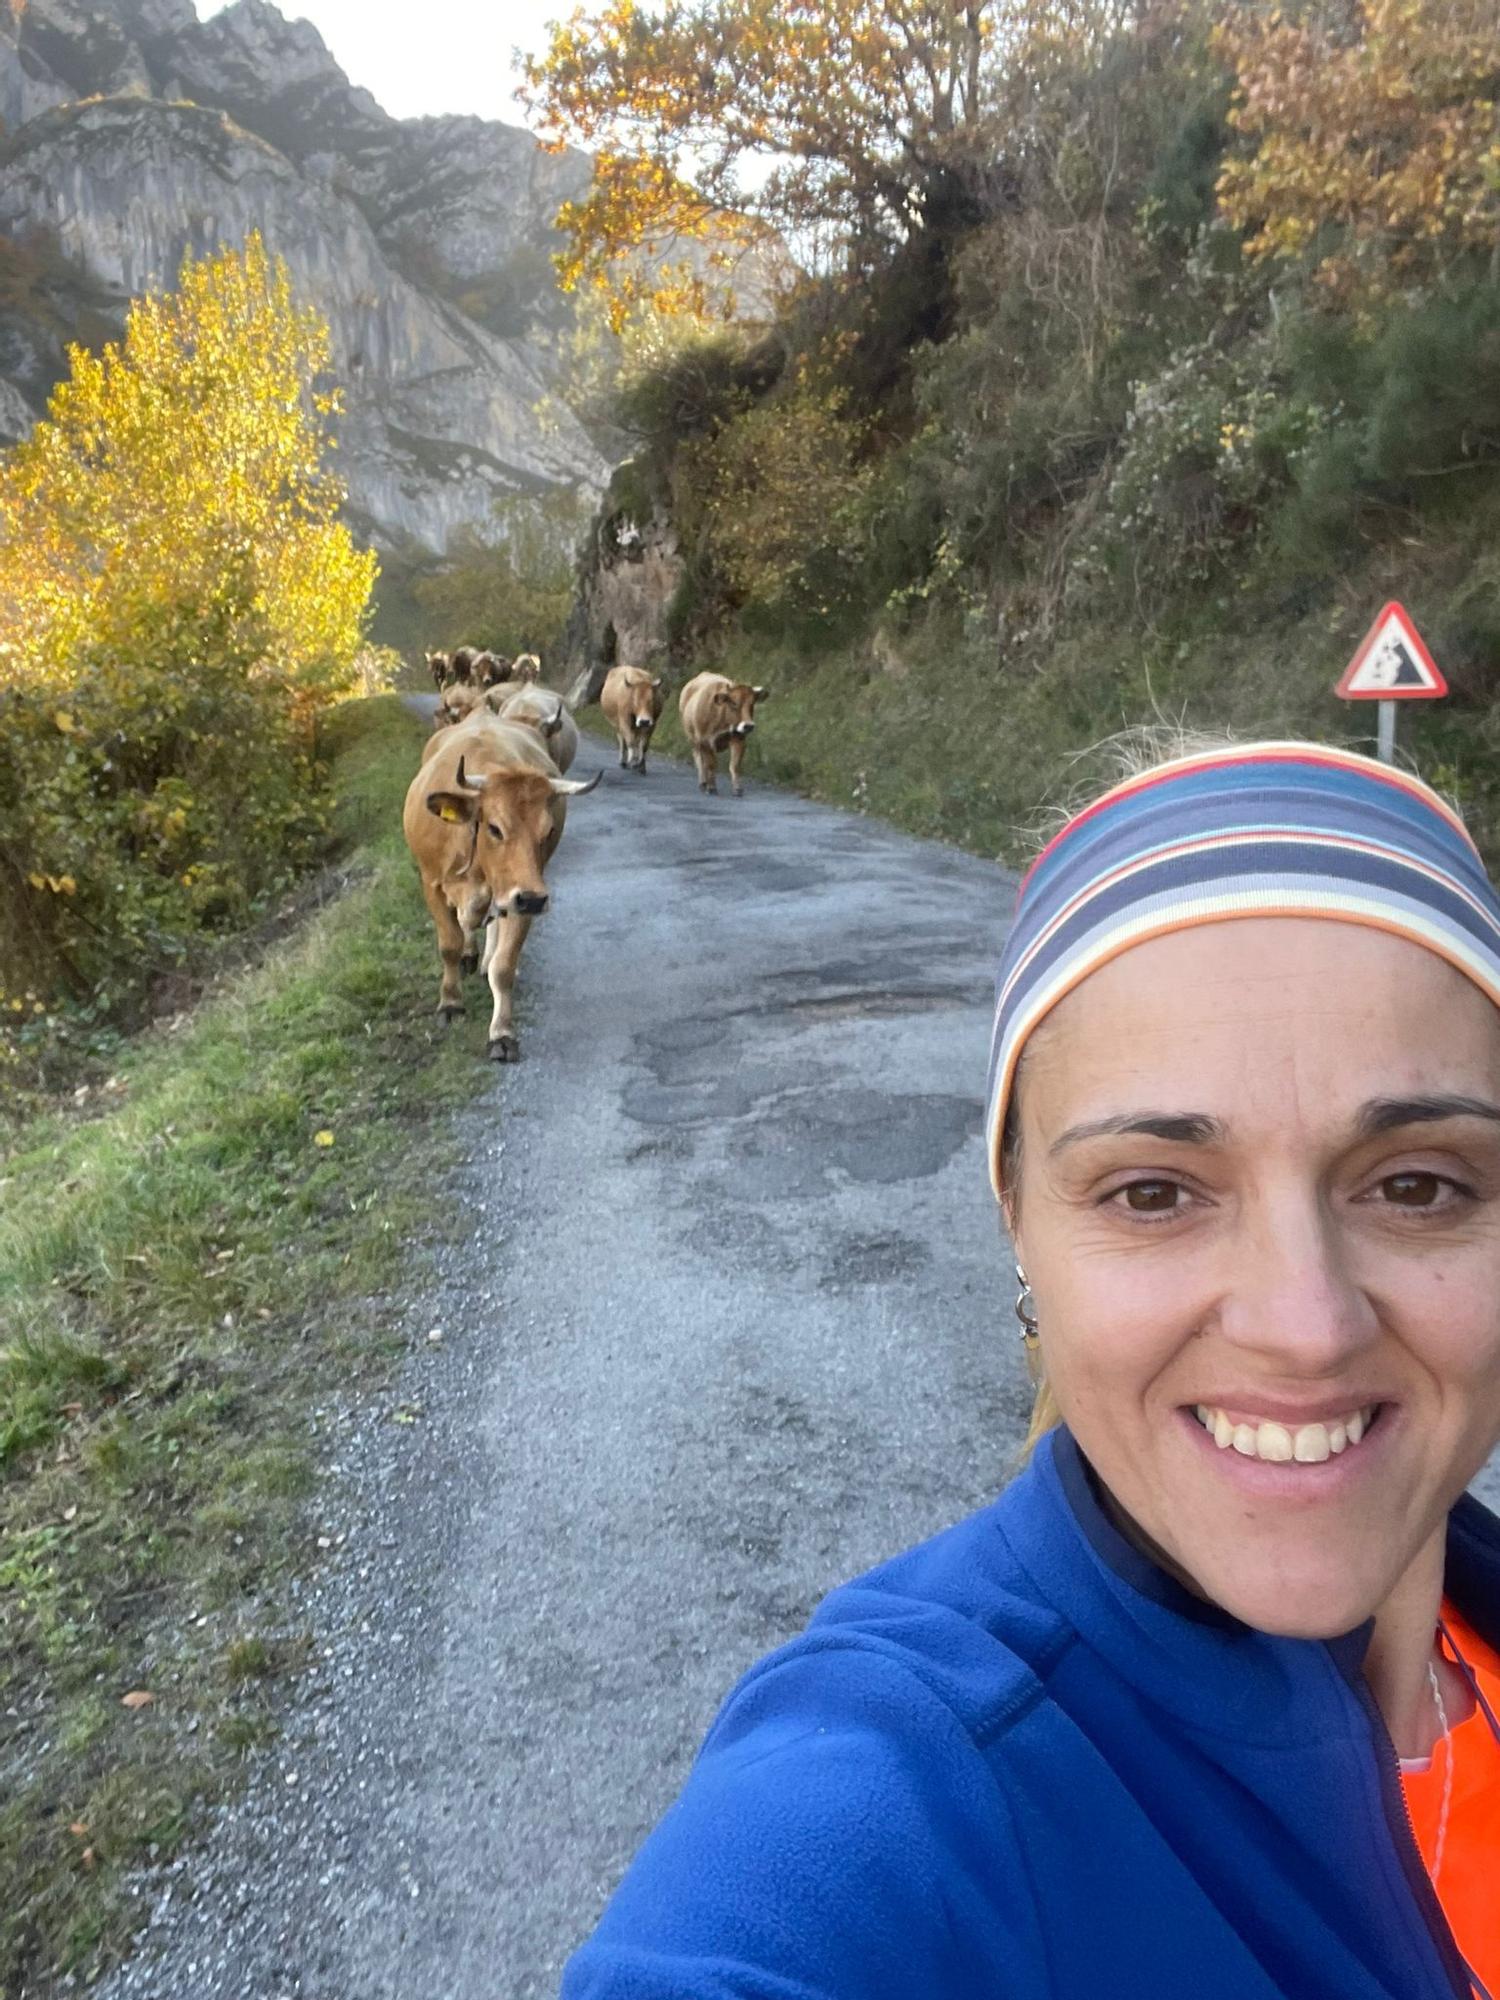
point(427, 56)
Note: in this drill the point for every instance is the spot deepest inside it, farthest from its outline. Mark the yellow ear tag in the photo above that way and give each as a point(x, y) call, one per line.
point(447, 811)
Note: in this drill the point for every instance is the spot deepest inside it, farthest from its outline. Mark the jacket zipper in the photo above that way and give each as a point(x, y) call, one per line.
point(1404, 1835)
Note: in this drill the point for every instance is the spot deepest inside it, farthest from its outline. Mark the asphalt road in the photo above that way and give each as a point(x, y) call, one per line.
point(732, 1322)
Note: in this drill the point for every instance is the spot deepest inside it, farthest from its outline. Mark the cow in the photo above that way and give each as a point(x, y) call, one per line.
point(483, 817)
point(538, 708)
point(457, 701)
point(463, 679)
point(527, 667)
point(632, 703)
point(466, 666)
point(718, 714)
point(491, 671)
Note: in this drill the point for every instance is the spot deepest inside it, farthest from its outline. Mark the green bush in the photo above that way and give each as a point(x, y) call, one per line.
point(1211, 445)
point(1411, 423)
point(149, 801)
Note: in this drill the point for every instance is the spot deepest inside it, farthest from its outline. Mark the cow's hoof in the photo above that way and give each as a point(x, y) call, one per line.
point(450, 1013)
point(504, 1048)
point(469, 963)
point(739, 791)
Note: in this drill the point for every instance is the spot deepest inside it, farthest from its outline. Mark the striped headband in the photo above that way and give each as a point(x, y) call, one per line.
point(1257, 830)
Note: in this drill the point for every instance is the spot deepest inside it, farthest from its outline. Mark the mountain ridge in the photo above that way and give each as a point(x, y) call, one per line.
point(136, 134)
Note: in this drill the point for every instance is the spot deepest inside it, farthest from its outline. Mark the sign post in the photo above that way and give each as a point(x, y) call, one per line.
point(1391, 664)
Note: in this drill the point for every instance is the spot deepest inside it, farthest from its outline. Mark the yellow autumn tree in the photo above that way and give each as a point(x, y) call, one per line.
point(1373, 136)
point(188, 464)
point(178, 596)
point(834, 119)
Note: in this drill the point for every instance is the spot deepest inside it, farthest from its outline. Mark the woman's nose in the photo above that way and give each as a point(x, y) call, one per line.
point(1292, 1295)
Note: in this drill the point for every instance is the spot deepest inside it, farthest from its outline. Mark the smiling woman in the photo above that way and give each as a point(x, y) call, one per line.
point(1207, 1699)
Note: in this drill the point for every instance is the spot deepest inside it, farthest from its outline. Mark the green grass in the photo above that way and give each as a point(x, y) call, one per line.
point(179, 1277)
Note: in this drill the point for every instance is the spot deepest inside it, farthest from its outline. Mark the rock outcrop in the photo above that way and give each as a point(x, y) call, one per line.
point(136, 134)
point(629, 573)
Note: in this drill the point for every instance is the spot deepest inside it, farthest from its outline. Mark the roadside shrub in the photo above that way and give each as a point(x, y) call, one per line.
point(774, 501)
point(1211, 444)
point(1413, 420)
point(146, 803)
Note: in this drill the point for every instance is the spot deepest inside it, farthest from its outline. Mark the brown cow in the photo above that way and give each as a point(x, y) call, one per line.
point(457, 701)
point(491, 671)
point(539, 708)
point(527, 667)
point(632, 702)
point(718, 714)
point(483, 818)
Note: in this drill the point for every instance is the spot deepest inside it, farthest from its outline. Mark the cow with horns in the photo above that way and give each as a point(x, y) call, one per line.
point(483, 818)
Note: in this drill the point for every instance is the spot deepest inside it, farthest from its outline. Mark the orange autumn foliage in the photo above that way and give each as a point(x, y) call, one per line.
point(1375, 136)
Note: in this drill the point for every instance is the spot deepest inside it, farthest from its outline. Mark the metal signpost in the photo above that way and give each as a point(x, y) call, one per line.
point(1391, 664)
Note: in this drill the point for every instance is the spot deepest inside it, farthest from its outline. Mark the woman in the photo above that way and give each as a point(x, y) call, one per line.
point(1163, 1718)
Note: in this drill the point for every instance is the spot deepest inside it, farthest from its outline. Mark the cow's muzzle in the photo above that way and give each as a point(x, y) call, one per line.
point(743, 728)
point(528, 902)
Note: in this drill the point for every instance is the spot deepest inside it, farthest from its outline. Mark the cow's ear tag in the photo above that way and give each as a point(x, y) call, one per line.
point(447, 810)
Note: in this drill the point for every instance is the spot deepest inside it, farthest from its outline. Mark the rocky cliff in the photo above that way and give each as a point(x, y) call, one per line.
point(135, 134)
point(629, 572)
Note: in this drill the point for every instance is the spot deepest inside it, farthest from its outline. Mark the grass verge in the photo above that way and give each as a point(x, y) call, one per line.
point(180, 1277)
point(958, 737)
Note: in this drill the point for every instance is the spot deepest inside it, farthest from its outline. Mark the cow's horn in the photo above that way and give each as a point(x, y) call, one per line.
point(467, 784)
point(557, 721)
point(573, 788)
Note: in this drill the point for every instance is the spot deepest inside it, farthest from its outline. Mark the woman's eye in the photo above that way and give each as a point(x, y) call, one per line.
point(1415, 1190)
point(1149, 1197)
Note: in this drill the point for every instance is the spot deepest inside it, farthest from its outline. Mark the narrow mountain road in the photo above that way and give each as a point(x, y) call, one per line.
point(728, 1319)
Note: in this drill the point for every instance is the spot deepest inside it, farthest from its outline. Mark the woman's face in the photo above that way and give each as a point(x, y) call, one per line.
point(1259, 1206)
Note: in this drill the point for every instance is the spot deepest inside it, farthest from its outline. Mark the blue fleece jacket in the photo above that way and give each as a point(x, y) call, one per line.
point(1021, 1763)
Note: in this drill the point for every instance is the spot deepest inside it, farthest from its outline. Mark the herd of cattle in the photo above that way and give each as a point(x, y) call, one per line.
point(487, 808)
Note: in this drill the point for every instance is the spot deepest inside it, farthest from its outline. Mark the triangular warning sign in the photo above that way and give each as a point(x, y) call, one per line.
point(1391, 663)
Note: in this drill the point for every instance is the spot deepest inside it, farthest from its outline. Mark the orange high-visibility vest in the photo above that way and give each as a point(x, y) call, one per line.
point(1469, 1885)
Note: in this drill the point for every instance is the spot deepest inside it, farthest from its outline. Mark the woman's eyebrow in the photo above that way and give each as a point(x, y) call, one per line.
point(1385, 1114)
point(1186, 1128)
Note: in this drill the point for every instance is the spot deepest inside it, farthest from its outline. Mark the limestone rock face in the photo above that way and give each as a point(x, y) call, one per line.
point(27, 85)
point(424, 242)
point(627, 579)
point(16, 414)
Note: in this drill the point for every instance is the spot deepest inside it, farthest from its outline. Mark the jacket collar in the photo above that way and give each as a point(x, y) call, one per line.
point(1191, 1656)
point(1472, 1576)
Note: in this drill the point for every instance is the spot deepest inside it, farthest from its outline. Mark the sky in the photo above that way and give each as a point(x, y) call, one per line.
point(432, 56)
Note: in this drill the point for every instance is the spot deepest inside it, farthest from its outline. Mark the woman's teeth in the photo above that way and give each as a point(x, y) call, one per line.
point(1282, 1444)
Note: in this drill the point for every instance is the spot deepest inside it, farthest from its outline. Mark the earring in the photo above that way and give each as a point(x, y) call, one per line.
point(1025, 1308)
